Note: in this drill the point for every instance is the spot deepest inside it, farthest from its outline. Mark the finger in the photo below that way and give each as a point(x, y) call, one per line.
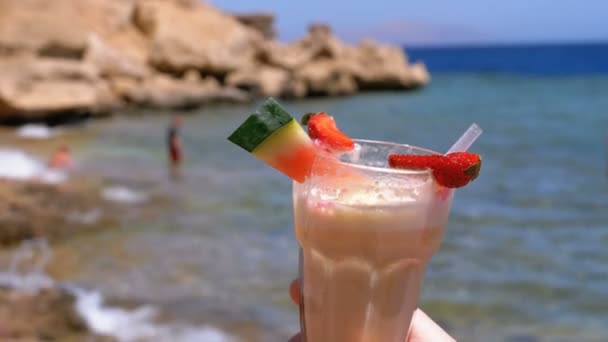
point(425, 329)
point(294, 291)
point(296, 338)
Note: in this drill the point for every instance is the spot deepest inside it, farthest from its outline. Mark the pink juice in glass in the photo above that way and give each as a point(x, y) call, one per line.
point(366, 233)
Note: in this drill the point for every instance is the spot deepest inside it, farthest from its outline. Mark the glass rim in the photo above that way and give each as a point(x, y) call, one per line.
point(386, 170)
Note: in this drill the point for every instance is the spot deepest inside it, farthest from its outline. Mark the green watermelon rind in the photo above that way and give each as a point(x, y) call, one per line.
point(267, 119)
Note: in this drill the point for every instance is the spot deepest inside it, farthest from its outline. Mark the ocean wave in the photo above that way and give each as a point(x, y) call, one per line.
point(138, 324)
point(123, 194)
point(26, 270)
point(19, 165)
point(26, 274)
point(33, 131)
point(85, 217)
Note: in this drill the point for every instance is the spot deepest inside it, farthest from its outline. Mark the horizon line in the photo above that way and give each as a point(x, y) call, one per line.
point(491, 44)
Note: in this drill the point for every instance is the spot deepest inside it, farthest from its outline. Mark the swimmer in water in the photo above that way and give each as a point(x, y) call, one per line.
point(174, 143)
point(61, 159)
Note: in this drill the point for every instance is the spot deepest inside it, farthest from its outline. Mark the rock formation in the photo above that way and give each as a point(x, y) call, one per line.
point(90, 57)
point(46, 315)
point(261, 22)
point(32, 209)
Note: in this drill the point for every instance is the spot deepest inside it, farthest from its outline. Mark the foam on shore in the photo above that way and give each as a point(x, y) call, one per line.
point(138, 324)
point(123, 194)
point(33, 131)
point(19, 165)
point(26, 274)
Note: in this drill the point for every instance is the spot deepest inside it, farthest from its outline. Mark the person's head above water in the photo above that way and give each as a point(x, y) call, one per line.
point(61, 158)
point(176, 120)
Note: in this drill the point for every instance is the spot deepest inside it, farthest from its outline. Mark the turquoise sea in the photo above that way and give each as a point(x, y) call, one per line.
point(524, 258)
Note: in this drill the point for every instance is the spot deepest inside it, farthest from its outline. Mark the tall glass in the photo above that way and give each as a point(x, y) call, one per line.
point(366, 233)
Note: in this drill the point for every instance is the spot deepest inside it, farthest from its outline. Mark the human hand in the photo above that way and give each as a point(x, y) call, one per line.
point(422, 329)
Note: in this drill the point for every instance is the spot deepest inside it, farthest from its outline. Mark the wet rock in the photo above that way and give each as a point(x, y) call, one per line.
point(47, 315)
point(32, 209)
point(523, 338)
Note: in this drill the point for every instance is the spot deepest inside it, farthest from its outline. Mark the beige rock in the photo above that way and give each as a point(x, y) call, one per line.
point(21, 69)
point(111, 61)
point(380, 66)
point(295, 88)
point(59, 27)
point(260, 79)
point(173, 53)
point(195, 37)
point(261, 22)
point(36, 88)
point(318, 43)
point(285, 56)
point(326, 77)
point(166, 92)
point(31, 209)
point(42, 98)
point(125, 88)
point(192, 75)
point(419, 74)
point(327, 66)
point(46, 315)
point(321, 42)
point(211, 83)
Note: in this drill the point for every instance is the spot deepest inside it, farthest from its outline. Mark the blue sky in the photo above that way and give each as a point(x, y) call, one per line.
point(439, 22)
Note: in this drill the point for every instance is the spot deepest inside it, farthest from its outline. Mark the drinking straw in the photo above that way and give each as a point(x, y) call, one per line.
point(467, 139)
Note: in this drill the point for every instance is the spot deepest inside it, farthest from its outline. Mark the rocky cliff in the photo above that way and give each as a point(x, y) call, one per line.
point(88, 57)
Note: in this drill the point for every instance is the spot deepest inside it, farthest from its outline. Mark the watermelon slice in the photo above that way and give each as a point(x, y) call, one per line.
point(275, 137)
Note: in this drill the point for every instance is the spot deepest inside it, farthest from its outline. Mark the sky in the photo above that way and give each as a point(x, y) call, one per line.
point(435, 22)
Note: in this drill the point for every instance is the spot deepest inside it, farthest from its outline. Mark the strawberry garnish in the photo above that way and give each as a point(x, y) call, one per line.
point(322, 127)
point(453, 170)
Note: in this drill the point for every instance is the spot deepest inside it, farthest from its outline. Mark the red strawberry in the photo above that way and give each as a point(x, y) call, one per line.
point(323, 127)
point(453, 170)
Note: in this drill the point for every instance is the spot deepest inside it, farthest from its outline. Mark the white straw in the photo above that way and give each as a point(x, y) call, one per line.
point(467, 139)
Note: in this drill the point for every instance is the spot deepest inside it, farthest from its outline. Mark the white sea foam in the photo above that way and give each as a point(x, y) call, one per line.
point(85, 217)
point(52, 176)
point(19, 165)
point(123, 194)
point(33, 131)
point(26, 274)
point(26, 270)
point(138, 324)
